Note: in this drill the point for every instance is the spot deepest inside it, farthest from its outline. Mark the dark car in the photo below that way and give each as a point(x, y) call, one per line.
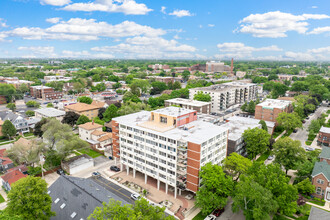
point(303, 121)
point(218, 212)
point(60, 172)
point(115, 168)
point(295, 130)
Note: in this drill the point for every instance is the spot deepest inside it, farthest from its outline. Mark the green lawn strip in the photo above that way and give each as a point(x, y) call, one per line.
point(199, 216)
point(1, 199)
point(264, 156)
point(320, 203)
point(77, 153)
point(90, 153)
point(308, 142)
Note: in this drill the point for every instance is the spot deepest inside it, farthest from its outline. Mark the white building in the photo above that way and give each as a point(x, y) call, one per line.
point(49, 113)
point(228, 94)
point(169, 145)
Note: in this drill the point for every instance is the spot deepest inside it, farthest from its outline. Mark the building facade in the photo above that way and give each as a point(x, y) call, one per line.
point(91, 111)
point(226, 95)
point(324, 137)
point(45, 92)
point(321, 175)
point(49, 113)
point(201, 107)
point(169, 145)
point(271, 108)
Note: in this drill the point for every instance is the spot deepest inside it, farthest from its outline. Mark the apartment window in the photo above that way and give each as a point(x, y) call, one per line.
point(320, 181)
point(162, 153)
point(163, 119)
point(171, 149)
point(318, 190)
point(171, 172)
point(171, 157)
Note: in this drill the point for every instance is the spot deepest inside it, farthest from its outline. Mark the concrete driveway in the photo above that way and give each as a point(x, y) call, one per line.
point(228, 213)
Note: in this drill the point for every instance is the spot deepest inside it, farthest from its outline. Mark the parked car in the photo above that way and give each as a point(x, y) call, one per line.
point(303, 121)
point(307, 118)
point(270, 157)
point(295, 130)
point(96, 174)
point(135, 196)
point(309, 148)
point(218, 212)
point(60, 172)
point(115, 168)
point(210, 217)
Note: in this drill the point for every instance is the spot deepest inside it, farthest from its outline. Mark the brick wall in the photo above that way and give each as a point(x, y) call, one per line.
point(115, 139)
point(322, 186)
point(193, 165)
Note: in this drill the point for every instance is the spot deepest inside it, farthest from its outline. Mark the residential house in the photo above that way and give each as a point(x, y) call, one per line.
point(324, 137)
point(11, 177)
point(49, 113)
point(321, 175)
point(93, 134)
point(18, 121)
point(76, 198)
point(5, 162)
point(91, 111)
point(99, 104)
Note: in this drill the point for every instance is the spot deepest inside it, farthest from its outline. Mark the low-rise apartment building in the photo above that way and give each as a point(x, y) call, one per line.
point(321, 175)
point(91, 111)
point(45, 92)
point(271, 108)
point(201, 107)
point(228, 94)
point(49, 113)
point(169, 145)
point(324, 137)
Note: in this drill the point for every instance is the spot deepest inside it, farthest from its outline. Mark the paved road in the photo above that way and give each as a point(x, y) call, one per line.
point(302, 134)
point(114, 188)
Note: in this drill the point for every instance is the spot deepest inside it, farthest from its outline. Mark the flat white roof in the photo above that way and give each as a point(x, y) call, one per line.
point(50, 112)
point(250, 120)
point(187, 102)
point(237, 128)
point(173, 111)
point(325, 130)
point(274, 103)
point(41, 87)
point(198, 131)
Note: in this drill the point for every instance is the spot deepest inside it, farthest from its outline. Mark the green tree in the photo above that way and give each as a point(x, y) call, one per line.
point(288, 153)
point(251, 107)
point(314, 127)
point(185, 75)
point(244, 107)
point(200, 96)
point(143, 84)
point(306, 187)
point(5, 215)
point(8, 91)
point(29, 199)
point(85, 99)
point(157, 87)
point(117, 85)
point(140, 210)
point(256, 201)
point(25, 153)
point(235, 165)
point(70, 118)
point(176, 85)
point(29, 113)
point(32, 103)
point(37, 128)
point(263, 125)
point(256, 140)
point(215, 188)
point(8, 129)
point(23, 88)
point(11, 106)
point(129, 96)
point(289, 121)
point(110, 113)
point(50, 105)
point(82, 120)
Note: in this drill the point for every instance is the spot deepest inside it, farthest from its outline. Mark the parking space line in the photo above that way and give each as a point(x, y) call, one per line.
point(112, 188)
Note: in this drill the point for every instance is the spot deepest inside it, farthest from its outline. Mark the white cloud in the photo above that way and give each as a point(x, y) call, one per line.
point(55, 2)
point(84, 29)
point(2, 23)
point(53, 20)
point(39, 51)
point(176, 37)
point(75, 54)
point(162, 10)
point(276, 24)
point(128, 7)
point(180, 13)
point(299, 56)
point(211, 25)
point(322, 50)
point(314, 6)
point(320, 30)
point(200, 26)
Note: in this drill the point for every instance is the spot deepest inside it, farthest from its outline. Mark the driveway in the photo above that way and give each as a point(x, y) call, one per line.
point(228, 213)
point(302, 134)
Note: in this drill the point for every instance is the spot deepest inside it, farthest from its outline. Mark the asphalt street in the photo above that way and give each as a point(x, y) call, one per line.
point(302, 134)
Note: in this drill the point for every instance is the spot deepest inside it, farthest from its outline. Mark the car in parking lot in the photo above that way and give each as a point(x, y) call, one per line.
point(309, 148)
point(60, 172)
point(135, 196)
point(115, 168)
point(295, 130)
point(96, 174)
point(210, 217)
point(218, 212)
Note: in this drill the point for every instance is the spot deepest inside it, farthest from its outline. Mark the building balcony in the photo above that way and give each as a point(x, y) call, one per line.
point(181, 172)
point(182, 148)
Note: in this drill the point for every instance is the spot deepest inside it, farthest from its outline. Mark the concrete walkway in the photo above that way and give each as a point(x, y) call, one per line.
point(325, 207)
point(4, 195)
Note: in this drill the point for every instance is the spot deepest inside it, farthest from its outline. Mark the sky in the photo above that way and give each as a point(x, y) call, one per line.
point(296, 30)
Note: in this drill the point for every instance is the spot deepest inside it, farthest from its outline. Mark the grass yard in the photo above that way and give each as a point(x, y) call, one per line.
point(1, 199)
point(316, 202)
point(90, 153)
point(77, 153)
point(199, 216)
point(264, 156)
point(308, 142)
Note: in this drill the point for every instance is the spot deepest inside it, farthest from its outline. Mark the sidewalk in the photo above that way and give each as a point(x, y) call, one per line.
point(325, 207)
point(4, 195)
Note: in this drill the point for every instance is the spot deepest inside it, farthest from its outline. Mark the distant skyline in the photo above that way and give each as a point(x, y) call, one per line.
point(296, 30)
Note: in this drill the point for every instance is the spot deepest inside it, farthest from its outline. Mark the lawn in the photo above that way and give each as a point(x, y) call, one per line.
point(90, 153)
point(77, 153)
point(264, 156)
point(328, 112)
point(316, 202)
point(28, 134)
point(1, 199)
point(308, 142)
point(199, 216)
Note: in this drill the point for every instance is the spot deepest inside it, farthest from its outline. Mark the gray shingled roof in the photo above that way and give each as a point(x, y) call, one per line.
point(325, 153)
point(80, 195)
point(318, 214)
point(322, 167)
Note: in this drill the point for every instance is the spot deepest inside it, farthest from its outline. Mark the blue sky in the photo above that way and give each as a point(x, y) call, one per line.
point(166, 29)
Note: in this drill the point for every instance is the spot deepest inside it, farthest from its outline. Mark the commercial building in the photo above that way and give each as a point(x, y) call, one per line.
point(49, 113)
point(216, 66)
point(201, 107)
point(45, 93)
point(324, 137)
point(271, 108)
point(169, 145)
point(91, 111)
point(226, 95)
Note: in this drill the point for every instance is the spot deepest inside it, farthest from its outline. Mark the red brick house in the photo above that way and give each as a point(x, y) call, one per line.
point(324, 136)
point(11, 177)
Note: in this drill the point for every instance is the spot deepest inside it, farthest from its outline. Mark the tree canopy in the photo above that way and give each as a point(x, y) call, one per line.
point(70, 118)
point(289, 121)
point(200, 96)
point(85, 99)
point(82, 119)
point(8, 129)
point(235, 165)
point(256, 140)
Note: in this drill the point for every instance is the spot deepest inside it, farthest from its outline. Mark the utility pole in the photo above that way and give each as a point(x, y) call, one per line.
point(42, 161)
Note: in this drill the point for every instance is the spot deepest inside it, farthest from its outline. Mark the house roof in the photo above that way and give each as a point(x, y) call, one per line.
point(13, 176)
point(325, 130)
point(105, 137)
point(98, 133)
point(21, 168)
point(2, 152)
point(98, 103)
point(24, 142)
point(79, 195)
point(325, 153)
point(50, 112)
point(5, 160)
point(81, 107)
point(318, 214)
point(322, 168)
point(90, 126)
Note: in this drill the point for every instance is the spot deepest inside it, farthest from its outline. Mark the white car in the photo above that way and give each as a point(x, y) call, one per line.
point(210, 217)
point(135, 196)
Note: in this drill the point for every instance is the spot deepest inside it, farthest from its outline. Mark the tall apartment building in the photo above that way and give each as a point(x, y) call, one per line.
point(200, 107)
point(227, 94)
point(271, 108)
point(169, 145)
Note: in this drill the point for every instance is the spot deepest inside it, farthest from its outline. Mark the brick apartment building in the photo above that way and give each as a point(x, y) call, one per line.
point(271, 108)
point(91, 111)
point(324, 136)
point(45, 92)
point(169, 145)
point(201, 107)
point(321, 175)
